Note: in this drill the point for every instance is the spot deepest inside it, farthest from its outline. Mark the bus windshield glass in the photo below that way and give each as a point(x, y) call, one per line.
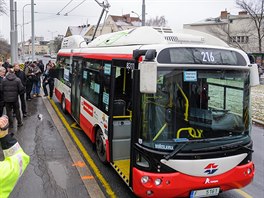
point(195, 105)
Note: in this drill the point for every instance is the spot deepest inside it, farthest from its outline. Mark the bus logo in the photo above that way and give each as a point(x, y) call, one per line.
point(211, 168)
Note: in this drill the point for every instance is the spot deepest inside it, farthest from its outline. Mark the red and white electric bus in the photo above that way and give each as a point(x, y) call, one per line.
point(171, 113)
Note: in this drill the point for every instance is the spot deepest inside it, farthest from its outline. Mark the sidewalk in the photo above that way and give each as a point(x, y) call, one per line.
point(257, 101)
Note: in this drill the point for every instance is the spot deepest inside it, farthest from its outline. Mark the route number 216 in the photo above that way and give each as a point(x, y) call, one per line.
point(208, 56)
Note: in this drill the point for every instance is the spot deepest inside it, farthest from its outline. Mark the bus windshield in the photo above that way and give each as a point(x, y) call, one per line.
point(195, 105)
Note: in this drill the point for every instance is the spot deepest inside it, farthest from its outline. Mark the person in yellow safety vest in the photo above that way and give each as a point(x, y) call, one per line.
point(15, 161)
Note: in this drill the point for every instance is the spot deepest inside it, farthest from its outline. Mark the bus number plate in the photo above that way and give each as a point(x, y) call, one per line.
point(205, 192)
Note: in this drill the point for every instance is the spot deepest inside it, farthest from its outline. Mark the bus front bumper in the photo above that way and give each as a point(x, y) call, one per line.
point(152, 185)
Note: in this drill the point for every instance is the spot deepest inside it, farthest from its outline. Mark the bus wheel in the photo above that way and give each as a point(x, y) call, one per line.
point(63, 104)
point(100, 146)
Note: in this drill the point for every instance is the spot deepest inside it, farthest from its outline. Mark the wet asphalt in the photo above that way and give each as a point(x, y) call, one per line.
point(51, 172)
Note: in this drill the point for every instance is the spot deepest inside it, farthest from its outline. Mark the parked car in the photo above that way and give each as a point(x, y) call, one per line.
point(47, 55)
point(53, 56)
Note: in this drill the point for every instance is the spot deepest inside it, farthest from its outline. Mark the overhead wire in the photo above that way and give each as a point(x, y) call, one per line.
point(64, 7)
point(66, 14)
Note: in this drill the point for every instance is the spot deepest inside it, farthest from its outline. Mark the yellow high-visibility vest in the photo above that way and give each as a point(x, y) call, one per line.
point(12, 168)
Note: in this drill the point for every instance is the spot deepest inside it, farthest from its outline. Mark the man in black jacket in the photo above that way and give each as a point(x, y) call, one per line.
point(12, 87)
point(22, 76)
point(2, 103)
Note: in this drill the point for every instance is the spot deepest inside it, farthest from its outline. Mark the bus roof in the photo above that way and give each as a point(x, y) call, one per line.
point(144, 36)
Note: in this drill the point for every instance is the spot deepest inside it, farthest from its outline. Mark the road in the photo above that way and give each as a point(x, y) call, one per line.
point(255, 189)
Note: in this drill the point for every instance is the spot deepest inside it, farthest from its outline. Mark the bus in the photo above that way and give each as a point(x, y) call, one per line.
point(169, 112)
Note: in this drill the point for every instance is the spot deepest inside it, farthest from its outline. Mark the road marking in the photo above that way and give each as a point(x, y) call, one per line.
point(79, 164)
point(87, 177)
point(75, 126)
point(243, 193)
point(97, 172)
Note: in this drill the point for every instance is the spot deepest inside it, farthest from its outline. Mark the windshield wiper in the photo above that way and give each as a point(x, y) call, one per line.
point(224, 147)
point(176, 150)
point(181, 144)
point(234, 145)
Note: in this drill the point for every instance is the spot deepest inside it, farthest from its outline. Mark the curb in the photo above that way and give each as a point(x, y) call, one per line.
point(258, 122)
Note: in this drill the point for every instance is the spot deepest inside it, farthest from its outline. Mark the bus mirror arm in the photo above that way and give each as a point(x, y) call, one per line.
point(254, 75)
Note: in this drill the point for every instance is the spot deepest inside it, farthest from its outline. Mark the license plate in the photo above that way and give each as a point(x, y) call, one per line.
point(205, 192)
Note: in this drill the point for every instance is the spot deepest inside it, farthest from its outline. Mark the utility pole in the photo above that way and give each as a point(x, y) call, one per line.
point(32, 30)
point(12, 32)
point(143, 12)
point(16, 37)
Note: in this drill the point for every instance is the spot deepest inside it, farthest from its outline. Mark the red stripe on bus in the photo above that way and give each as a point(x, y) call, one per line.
point(98, 56)
point(88, 108)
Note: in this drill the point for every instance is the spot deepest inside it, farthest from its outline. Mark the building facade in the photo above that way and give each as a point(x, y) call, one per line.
point(237, 30)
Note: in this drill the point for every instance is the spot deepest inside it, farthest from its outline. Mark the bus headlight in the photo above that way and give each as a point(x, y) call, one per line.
point(249, 171)
point(144, 179)
point(158, 182)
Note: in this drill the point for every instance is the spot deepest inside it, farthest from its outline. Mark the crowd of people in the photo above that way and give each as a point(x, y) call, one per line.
point(18, 84)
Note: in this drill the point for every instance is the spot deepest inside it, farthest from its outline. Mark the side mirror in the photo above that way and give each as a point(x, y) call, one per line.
point(254, 75)
point(148, 77)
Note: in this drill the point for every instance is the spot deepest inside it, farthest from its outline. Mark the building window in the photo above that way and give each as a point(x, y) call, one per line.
point(239, 39)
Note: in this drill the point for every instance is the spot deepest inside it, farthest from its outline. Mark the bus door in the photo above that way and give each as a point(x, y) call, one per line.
point(120, 138)
point(75, 88)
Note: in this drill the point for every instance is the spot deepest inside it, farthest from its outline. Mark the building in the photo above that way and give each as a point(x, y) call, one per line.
point(237, 30)
point(112, 24)
point(41, 47)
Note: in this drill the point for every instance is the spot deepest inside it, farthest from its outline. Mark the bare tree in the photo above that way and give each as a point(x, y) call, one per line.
point(57, 43)
point(255, 9)
point(2, 7)
point(5, 50)
point(159, 21)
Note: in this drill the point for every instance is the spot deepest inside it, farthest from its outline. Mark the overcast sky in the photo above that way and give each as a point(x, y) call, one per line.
point(48, 23)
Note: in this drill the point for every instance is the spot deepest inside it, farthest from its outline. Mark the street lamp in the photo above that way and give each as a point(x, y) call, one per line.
point(52, 33)
point(135, 14)
point(139, 16)
point(23, 28)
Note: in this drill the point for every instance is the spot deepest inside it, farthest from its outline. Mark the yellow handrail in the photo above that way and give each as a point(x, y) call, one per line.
point(187, 103)
point(192, 132)
point(160, 131)
point(120, 117)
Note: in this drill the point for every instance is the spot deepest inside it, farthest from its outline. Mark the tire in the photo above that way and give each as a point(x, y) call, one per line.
point(63, 104)
point(100, 146)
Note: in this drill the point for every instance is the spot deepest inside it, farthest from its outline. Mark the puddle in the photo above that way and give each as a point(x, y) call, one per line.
point(59, 173)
